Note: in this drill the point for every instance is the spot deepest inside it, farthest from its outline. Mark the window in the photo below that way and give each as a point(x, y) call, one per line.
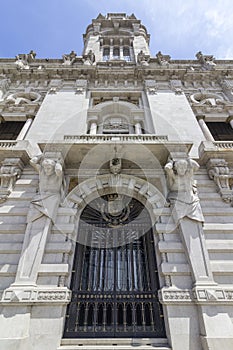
point(220, 131)
point(126, 53)
point(106, 53)
point(10, 130)
point(116, 53)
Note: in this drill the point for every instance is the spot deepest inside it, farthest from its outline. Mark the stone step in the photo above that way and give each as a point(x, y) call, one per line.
point(114, 344)
point(114, 347)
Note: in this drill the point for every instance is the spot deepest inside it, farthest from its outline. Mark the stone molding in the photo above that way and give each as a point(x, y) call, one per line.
point(34, 295)
point(197, 295)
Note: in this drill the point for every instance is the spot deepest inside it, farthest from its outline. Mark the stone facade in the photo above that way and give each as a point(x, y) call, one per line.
point(117, 122)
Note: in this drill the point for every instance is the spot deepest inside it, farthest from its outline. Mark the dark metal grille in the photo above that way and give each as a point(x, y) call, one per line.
point(114, 287)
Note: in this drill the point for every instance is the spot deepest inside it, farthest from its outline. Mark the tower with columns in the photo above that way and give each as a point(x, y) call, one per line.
point(116, 210)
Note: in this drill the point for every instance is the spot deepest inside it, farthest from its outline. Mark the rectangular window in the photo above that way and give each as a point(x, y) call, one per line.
point(220, 131)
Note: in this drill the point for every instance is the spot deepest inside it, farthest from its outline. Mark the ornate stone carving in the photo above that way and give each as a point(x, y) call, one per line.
point(143, 59)
point(187, 213)
point(23, 60)
point(69, 59)
point(20, 98)
point(10, 172)
point(207, 61)
point(115, 166)
point(50, 187)
point(207, 98)
point(219, 172)
point(183, 190)
point(41, 216)
point(163, 60)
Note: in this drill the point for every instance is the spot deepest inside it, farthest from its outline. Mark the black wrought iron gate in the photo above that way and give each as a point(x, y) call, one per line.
point(115, 282)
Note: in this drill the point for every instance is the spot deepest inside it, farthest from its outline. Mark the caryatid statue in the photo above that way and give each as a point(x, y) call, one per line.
point(183, 190)
point(187, 213)
point(41, 216)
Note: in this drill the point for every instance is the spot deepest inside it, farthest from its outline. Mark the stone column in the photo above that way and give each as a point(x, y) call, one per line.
point(138, 128)
point(25, 129)
point(205, 129)
point(93, 128)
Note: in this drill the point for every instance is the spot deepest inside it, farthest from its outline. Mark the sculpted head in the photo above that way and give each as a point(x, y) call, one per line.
point(48, 166)
point(181, 167)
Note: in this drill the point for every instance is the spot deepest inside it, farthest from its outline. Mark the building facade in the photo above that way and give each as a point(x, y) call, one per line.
point(116, 197)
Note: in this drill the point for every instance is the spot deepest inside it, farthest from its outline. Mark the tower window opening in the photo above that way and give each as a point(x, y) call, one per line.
point(106, 53)
point(126, 53)
point(116, 53)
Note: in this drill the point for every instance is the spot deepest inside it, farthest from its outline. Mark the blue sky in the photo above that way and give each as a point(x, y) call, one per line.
point(179, 28)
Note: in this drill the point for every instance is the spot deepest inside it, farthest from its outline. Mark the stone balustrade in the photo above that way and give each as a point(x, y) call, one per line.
point(146, 138)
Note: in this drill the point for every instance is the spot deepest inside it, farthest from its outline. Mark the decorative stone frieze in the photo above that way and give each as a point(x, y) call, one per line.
point(10, 172)
point(219, 172)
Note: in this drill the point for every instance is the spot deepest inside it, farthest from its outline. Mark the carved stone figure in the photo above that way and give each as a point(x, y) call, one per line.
point(186, 211)
point(69, 59)
point(50, 188)
point(207, 61)
point(183, 190)
point(142, 58)
point(163, 60)
point(41, 216)
point(89, 59)
point(23, 60)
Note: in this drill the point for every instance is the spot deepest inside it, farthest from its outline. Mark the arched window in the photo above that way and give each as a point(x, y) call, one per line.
point(115, 279)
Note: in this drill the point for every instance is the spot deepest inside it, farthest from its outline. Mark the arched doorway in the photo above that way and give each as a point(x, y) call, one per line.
point(114, 278)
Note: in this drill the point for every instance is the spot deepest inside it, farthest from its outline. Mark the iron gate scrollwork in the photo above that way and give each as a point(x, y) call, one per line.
point(115, 280)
